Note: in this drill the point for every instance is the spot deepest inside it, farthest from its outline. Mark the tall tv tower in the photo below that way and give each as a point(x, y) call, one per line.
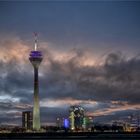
point(35, 58)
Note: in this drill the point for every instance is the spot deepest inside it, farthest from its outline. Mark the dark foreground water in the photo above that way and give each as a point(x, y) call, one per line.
point(70, 136)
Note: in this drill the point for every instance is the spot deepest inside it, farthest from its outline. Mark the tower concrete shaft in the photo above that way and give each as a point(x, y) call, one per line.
point(36, 109)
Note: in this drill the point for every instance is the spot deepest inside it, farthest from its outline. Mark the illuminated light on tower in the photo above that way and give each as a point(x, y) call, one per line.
point(72, 120)
point(35, 58)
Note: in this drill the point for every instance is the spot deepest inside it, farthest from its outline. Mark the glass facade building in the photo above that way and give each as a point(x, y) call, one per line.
point(76, 117)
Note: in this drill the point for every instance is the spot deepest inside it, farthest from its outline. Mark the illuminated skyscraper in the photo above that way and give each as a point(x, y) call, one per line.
point(36, 58)
point(72, 121)
point(88, 122)
point(76, 117)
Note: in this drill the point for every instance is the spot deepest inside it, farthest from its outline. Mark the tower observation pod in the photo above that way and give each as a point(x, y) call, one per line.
point(35, 58)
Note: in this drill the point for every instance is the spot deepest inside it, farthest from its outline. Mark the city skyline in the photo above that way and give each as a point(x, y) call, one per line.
point(91, 58)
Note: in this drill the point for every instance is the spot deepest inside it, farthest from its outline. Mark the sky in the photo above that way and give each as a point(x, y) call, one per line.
point(91, 53)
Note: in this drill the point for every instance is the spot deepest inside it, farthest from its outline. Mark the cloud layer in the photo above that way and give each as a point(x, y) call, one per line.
point(109, 88)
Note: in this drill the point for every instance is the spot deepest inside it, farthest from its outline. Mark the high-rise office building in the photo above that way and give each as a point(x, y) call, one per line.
point(27, 119)
point(71, 118)
point(58, 122)
point(36, 58)
point(76, 117)
point(88, 122)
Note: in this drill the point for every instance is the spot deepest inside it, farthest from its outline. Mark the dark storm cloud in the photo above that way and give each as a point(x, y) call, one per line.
point(117, 79)
point(12, 80)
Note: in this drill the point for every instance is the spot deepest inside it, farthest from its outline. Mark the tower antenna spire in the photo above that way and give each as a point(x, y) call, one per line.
point(35, 36)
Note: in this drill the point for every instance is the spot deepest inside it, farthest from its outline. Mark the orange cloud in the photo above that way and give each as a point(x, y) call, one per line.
point(109, 111)
point(64, 102)
point(15, 48)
